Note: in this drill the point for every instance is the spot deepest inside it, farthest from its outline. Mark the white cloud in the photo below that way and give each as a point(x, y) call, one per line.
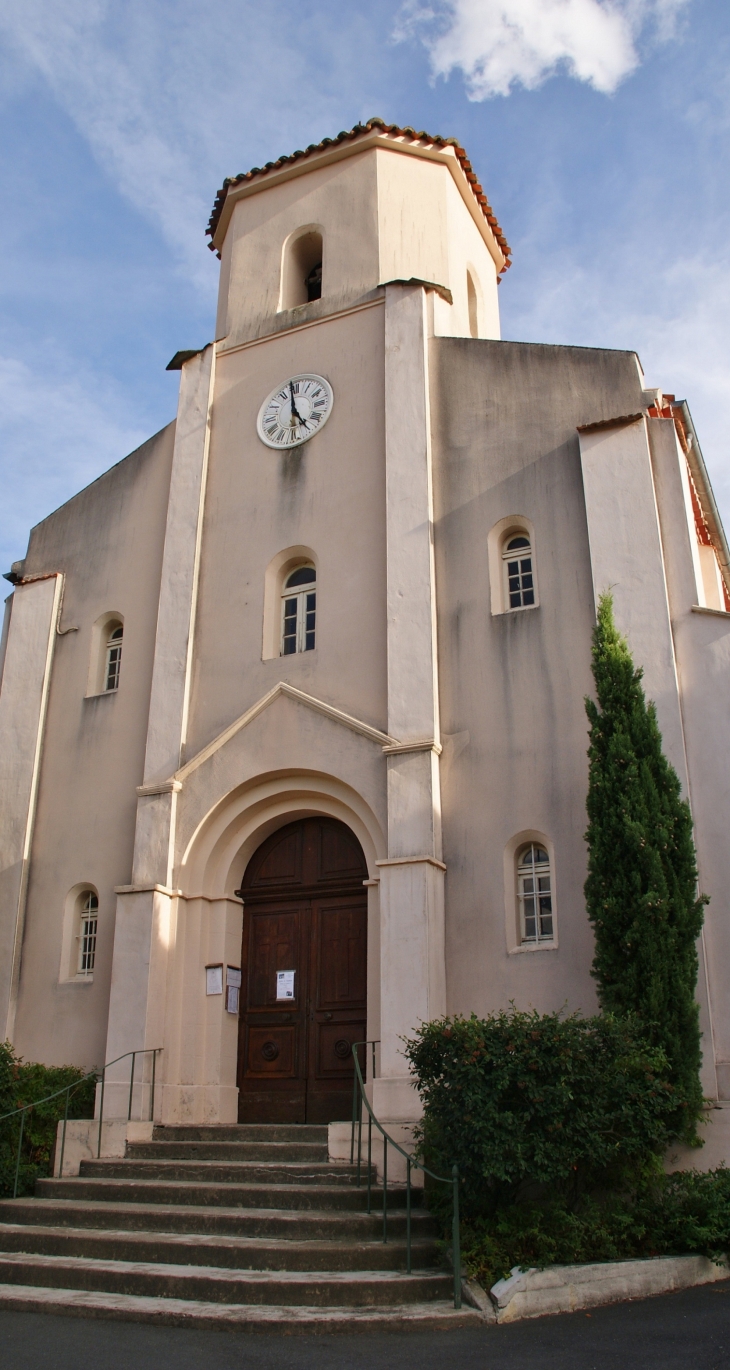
point(499, 44)
point(56, 435)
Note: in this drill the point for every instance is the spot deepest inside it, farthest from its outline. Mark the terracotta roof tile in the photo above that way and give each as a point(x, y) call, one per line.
point(350, 135)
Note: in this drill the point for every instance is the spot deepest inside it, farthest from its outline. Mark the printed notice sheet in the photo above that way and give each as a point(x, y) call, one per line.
point(285, 984)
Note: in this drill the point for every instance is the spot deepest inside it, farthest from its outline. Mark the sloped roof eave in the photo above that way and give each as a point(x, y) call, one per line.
point(351, 136)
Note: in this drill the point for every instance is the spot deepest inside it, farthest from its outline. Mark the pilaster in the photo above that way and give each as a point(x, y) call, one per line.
point(412, 877)
point(146, 917)
point(26, 683)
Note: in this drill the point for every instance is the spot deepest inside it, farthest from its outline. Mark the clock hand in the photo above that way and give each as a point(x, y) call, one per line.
point(294, 411)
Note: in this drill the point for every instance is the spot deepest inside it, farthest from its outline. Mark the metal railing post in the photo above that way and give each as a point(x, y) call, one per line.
point(152, 1095)
point(456, 1252)
point(354, 1119)
point(101, 1111)
point(385, 1187)
point(408, 1216)
point(63, 1134)
point(131, 1087)
point(20, 1145)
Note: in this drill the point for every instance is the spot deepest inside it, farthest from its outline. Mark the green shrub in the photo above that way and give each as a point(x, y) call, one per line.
point(22, 1083)
point(672, 1215)
point(523, 1103)
point(641, 891)
point(558, 1126)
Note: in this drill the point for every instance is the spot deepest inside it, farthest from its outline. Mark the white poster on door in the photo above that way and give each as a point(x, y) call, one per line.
point(285, 984)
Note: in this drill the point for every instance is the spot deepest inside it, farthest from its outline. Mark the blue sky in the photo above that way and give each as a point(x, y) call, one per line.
point(599, 128)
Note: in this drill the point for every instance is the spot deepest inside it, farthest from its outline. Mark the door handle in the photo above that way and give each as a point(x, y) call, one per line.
point(328, 1017)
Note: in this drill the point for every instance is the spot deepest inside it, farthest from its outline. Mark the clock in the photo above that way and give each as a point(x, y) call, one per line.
point(295, 411)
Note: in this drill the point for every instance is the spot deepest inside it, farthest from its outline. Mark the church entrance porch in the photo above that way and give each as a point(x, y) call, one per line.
point(304, 974)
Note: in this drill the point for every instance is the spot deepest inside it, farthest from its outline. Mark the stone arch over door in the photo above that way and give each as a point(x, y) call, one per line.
point(304, 973)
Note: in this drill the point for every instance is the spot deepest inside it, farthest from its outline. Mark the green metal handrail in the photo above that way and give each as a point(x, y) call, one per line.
point(358, 1089)
point(99, 1076)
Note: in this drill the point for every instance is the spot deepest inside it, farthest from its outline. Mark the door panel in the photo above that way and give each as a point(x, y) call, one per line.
point(305, 910)
point(272, 1053)
point(338, 1014)
point(341, 952)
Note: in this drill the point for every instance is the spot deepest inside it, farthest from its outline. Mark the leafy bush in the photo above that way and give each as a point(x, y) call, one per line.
point(525, 1103)
point(672, 1215)
point(558, 1126)
point(22, 1083)
point(641, 891)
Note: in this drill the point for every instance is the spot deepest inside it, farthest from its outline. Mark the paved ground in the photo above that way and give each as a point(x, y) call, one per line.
point(686, 1331)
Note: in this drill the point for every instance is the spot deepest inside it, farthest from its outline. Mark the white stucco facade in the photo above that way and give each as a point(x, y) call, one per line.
point(444, 727)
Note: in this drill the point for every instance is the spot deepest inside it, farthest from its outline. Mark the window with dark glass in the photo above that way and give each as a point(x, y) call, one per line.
point(89, 921)
point(517, 557)
point(113, 658)
point(534, 894)
point(299, 609)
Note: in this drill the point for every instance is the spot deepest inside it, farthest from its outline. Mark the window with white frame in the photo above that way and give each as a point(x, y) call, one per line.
point(113, 663)
point(88, 925)
point(534, 894)
point(298, 611)
point(519, 575)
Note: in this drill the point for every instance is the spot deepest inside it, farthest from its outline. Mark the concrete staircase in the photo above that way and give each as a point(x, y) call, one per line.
point(248, 1226)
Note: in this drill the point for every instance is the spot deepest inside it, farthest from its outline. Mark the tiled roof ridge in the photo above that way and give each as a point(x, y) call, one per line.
point(355, 132)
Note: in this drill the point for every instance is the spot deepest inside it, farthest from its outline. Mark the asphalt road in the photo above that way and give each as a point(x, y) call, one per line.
point(685, 1331)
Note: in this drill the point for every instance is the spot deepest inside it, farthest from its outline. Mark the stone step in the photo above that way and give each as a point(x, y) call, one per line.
point(222, 1172)
point(229, 1252)
point(289, 1196)
point(312, 1289)
point(242, 1132)
point(438, 1316)
point(310, 1152)
point(293, 1225)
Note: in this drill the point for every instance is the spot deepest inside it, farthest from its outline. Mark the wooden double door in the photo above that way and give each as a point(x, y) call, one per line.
point(304, 974)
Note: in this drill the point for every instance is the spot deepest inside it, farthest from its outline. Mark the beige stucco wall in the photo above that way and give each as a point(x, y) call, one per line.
point(327, 495)
point(702, 650)
point(108, 543)
point(384, 215)
point(512, 685)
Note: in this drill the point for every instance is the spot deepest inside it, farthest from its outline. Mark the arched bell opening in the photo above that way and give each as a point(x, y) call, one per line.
point(304, 973)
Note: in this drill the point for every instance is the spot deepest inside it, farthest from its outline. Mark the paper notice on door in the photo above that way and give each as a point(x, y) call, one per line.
point(285, 984)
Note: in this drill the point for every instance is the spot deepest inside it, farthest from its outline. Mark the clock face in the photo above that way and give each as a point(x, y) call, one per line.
point(295, 411)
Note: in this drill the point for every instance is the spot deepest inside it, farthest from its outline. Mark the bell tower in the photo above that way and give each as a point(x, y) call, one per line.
point(316, 232)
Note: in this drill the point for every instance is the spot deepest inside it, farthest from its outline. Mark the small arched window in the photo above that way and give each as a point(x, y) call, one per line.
point(88, 906)
point(113, 662)
point(518, 572)
point(473, 306)
point(534, 894)
point(298, 610)
point(301, 269)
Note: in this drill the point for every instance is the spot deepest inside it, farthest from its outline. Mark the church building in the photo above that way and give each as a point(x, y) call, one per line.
point(293, 740)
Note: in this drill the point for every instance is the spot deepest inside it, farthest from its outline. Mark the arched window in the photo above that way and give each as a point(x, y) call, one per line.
point(473, 306)
point(88, 907)
point(534, 894)
point(518, 571)
point(301, 268)
point(113, 663)
point(298, 610)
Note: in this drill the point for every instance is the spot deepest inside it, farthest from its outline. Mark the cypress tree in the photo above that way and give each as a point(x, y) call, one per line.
point(641, 891)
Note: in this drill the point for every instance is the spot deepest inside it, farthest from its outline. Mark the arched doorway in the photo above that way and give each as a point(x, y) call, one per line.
point(304, 974)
